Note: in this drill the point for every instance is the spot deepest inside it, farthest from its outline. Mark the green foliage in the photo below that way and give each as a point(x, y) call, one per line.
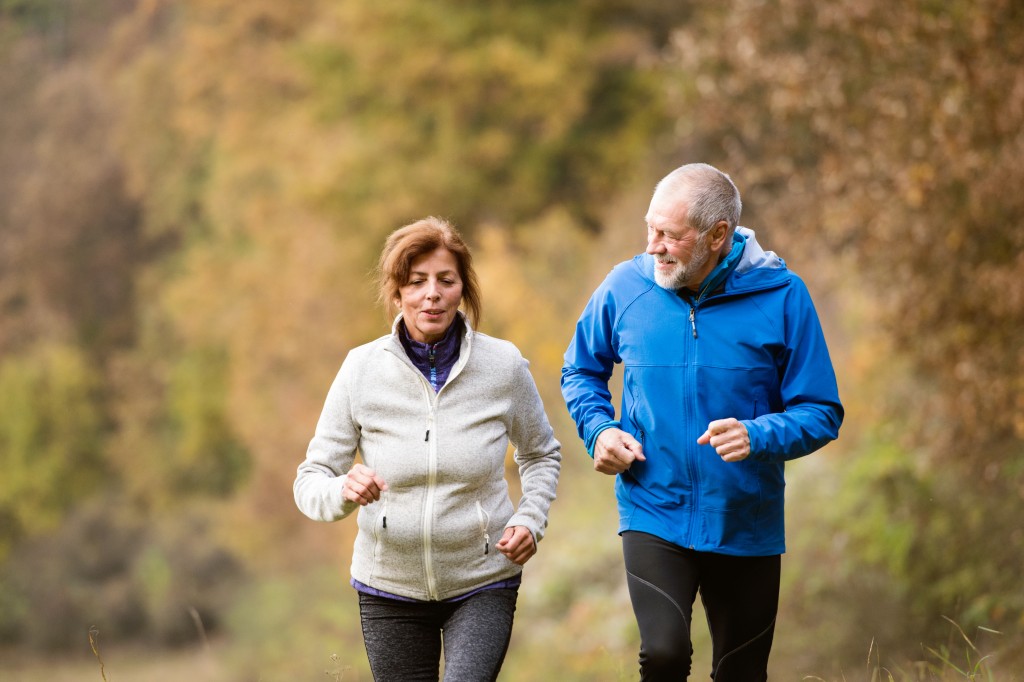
point(302, 626)
point(109, 567)
point(206, 457)
point(896, 544)
point(485, 112)
point(51, 438)
point(34, 13)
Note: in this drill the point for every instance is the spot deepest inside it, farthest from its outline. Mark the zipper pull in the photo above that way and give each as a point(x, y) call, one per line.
point(427, 437)
point(693, 322)
point(487, 542)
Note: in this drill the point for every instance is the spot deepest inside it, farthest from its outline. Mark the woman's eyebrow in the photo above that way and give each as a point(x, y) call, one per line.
point(424, 273)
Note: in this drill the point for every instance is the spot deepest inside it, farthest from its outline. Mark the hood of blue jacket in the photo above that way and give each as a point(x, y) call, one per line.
point(756, 268)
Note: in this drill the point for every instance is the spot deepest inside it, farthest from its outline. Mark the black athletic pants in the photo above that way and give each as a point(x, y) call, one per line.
point(404, 639)
point(740, 597)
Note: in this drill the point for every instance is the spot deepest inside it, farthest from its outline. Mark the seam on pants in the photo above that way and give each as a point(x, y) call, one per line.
point(667, 596)
point(750, 641)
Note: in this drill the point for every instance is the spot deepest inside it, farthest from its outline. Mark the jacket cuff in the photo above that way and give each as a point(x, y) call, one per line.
point(338, 501)
point(592, 438)
point(529, 524)
point(756, 436)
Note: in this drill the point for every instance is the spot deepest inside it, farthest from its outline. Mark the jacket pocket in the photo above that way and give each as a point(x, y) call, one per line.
point(380, 525)
point(632, 424)
point(760, 405)
point(485, 522)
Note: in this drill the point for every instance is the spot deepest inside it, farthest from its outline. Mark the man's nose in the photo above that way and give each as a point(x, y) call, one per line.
point(654, 245)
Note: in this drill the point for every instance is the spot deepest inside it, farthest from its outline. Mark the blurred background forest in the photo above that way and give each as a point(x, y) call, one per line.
point(192, 198)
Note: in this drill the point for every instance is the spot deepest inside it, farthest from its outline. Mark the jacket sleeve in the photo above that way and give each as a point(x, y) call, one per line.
point(812, 413)
point(320, 478)
point(589, 362)
point(538, 453)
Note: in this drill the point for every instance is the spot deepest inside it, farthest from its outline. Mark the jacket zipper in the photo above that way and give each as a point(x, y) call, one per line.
point(691, 460)
point(431, 397)
point(428, 504)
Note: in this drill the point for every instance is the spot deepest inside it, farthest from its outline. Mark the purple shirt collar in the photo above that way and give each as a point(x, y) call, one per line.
point(434, 360)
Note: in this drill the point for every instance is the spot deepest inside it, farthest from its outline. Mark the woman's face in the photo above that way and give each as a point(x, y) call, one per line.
point(431, 297)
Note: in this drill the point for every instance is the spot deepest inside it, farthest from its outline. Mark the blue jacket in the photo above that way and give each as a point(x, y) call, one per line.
point(752, 349)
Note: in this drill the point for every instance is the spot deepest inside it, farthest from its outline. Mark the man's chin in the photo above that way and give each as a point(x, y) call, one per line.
point(666, 281)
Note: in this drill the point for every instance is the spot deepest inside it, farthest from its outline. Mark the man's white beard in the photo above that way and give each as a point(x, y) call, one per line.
point(677, 277)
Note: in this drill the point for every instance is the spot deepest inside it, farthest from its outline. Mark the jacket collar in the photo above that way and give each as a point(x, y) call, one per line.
point(394, 345)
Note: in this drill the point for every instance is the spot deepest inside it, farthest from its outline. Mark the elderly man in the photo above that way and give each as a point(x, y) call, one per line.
point(726, 376)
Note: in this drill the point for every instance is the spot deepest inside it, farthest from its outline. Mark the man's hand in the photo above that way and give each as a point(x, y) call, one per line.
point(517, 544)
point(729, 438)
point(363, 485)
point(615, 450)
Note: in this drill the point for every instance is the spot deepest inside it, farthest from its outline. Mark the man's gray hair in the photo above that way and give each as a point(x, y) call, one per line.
point(710, 194)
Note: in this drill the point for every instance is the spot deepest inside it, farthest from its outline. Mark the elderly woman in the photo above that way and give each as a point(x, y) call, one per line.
point(431, 409)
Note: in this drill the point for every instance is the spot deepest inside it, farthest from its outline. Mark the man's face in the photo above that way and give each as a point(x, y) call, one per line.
point(681, 255)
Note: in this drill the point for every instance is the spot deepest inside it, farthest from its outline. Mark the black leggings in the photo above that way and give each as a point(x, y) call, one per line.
point(740, 597)
point(404, 639)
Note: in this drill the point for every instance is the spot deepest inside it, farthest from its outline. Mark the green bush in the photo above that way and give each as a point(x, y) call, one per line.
point(168, 583)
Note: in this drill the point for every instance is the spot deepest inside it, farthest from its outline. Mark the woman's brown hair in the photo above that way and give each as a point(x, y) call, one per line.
point(420, 238)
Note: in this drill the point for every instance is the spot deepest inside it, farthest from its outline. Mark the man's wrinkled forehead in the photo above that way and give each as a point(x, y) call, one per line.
point(667, 208)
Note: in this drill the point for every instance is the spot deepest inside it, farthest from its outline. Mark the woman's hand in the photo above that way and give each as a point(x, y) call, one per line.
point(363, 485)
point(517, 544)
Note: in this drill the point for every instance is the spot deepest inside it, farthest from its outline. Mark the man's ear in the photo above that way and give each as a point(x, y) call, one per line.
point(718, 233)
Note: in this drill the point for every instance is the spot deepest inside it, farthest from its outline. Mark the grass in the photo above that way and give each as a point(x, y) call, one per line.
point(959, 659)
point(975, 665)
point(94, 644)
point(948, 664)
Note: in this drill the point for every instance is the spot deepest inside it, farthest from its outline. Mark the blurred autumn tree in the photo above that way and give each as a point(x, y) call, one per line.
point(199, 195)
point(68, 251)
point(193, 194)
point(892, 135)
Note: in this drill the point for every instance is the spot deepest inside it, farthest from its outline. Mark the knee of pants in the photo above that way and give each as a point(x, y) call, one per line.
point(668, 656)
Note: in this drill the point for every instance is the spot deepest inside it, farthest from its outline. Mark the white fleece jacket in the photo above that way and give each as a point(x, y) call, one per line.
point(431, 535)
